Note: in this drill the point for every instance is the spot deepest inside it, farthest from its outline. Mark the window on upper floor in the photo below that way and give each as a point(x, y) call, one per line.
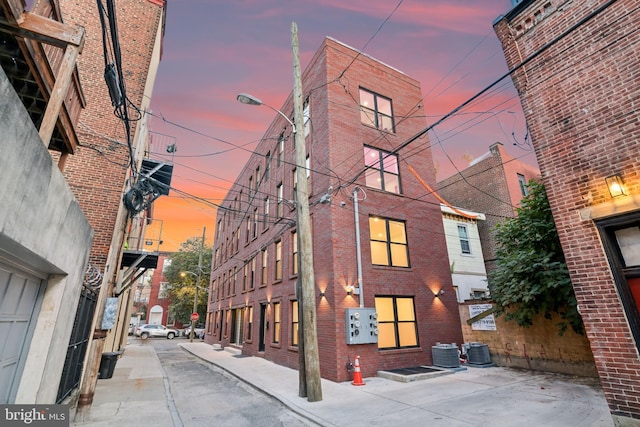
point(280, 192)
point(267, 166)
point(376, 111)
point(280, 154)
point(463, 235)
point(381, 170)
point(388, 242)
point(265, 214)
point(294, 253)
point(523, 185)
point(278, 256)
point(306, 117)
point(164, 290)
point(265, 259)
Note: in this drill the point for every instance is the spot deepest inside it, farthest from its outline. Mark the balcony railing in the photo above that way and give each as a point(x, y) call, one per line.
point(38, 54)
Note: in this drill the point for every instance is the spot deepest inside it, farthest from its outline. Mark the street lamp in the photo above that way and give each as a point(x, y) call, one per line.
point(195, 300)
point(306, 300)
point(245, 98)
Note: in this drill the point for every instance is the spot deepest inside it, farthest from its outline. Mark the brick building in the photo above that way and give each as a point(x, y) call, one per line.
point(110, 163)
point(493, 184)
point(357, 112)
point(579, 88)
point(159, 301)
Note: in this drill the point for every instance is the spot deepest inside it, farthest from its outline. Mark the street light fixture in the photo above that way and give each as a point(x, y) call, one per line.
point(245, 98)
point(306, 300)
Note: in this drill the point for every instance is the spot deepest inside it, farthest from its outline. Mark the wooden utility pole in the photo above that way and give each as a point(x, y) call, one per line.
point(305, 275)
point(195, 298)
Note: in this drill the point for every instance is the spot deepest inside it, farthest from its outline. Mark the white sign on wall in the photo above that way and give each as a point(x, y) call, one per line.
point(487, 323)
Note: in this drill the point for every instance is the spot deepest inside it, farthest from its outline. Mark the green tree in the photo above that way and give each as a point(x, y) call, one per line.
point(182, 277)
point(531, 275)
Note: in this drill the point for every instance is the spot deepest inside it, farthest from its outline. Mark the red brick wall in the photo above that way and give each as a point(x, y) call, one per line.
point(98, 171)
point(336, 147)
point(489, 186)
point(578, 98)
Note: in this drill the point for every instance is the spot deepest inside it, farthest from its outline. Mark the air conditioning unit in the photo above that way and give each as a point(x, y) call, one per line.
point(478, 354)
point(445, 355)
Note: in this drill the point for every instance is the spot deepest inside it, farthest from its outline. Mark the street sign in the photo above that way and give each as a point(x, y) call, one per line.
point(195, 316)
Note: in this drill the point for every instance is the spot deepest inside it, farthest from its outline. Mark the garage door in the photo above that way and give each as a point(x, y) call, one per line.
point(20, 296)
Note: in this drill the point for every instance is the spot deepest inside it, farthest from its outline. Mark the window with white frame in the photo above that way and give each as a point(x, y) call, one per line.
point(278, 256)
point(523, 185)
point(306, 117)
point(280, 154)
point(265, 259)
point(280, 192)
point(463, 235)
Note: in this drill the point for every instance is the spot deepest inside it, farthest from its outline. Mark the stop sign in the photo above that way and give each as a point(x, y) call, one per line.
point(195, 316)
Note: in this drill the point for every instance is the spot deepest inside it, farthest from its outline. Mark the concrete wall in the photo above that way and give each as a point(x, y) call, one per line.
point(44, 231)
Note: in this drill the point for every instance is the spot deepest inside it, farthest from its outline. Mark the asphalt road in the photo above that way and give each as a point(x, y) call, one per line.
point(205, 395)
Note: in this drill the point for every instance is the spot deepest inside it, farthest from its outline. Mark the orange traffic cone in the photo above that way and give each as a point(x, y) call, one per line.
point(357, 375)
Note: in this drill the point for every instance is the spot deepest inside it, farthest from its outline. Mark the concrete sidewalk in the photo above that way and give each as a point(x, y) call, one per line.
point(138, 395)
point(472, 397)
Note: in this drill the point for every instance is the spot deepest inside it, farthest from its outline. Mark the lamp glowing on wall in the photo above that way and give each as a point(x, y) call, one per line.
point(614, 184)
point(349, 290)
point(437, 294)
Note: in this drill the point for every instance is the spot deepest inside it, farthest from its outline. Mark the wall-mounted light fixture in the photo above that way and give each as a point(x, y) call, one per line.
point(614, 184)
point(321, 294)
point(349, 289)
point(437, 294)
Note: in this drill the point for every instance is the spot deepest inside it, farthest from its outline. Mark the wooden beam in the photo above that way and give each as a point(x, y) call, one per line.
point(13, 9)
point(58, 94)
point(482, 315)
point(45, 30)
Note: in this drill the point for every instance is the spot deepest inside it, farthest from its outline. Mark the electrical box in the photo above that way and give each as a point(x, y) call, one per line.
point(362, 325)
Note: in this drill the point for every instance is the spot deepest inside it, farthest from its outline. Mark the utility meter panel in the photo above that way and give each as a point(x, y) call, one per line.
point(362, 326)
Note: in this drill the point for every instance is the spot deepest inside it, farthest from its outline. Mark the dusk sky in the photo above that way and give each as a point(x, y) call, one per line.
point(214, 50)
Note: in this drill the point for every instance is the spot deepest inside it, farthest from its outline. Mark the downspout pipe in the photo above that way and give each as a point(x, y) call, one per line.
point(360, 287)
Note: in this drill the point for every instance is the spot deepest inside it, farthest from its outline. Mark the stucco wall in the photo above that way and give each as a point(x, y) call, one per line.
point(44, 231)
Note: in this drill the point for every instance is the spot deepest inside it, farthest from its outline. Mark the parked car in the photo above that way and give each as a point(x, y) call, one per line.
point(197, 332)
point(149, 331)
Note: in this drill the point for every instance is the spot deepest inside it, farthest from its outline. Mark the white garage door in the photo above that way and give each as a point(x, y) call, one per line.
point(20, 296)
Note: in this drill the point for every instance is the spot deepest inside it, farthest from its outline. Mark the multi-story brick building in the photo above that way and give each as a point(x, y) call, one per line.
point(358, 115)
point(493, 184)
point(111, 163)
point(159, 301)
point(575, 66)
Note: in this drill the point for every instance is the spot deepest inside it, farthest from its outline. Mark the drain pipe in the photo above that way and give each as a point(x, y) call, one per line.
point(359, 289)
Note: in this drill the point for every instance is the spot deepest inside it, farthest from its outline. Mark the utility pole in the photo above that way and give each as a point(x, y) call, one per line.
point(195, 298)
point(305, 275)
